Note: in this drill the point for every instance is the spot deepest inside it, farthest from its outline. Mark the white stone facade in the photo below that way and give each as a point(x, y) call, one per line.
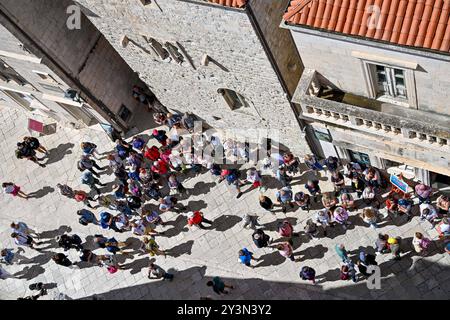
point(237, 61)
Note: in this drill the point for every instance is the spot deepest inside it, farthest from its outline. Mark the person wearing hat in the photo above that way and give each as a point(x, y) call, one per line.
point(160, 136)
point(195, 218)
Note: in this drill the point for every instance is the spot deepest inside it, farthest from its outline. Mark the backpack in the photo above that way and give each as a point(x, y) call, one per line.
point(83, 221)
point(215, 169)
point(307, 273)
point(232, 176)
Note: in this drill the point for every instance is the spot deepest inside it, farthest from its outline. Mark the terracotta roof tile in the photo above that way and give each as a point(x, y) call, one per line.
point(230, 3)
point(416, 23)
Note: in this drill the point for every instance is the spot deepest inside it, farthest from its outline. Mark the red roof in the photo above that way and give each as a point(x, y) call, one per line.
point(230, 3)
point(416, 23)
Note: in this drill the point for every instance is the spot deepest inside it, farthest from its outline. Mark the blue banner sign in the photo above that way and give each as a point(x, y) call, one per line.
point(400, 184)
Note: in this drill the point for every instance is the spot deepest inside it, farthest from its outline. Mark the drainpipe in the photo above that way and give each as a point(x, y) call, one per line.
point(49, 61)
point(271, 58)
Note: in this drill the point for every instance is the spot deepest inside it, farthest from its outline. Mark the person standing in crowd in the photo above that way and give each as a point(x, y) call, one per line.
point(303, 201)
point(395, 247)
point(266, 203)
point(341, 217)
point(338, 181)
point(421, 243)
point(313, 163)
point(88, 179)
point(261, 239)
point(370, 216)
point(311, 229)
point(313, 187)
point(24, 151)
point(332, 164)
point(341, 252)
point(443, 204)
point(429, 213)
point(323, 217)
point(424, 193)
point(284, 198)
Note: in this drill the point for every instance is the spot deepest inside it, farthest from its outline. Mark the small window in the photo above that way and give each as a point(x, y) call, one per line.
point(390, 82)
point(323, 136)
point(233, 99)
point(124, 113)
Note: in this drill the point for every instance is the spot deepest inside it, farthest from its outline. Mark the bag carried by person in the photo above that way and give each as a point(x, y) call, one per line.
point(112, 269)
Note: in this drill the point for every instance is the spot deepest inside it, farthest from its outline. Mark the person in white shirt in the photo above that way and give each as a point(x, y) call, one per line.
point(24, 240)
point(429, 213)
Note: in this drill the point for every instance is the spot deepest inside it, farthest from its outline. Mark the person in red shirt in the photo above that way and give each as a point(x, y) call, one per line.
point(196, 218)
point(160, 167)
point(152, 153)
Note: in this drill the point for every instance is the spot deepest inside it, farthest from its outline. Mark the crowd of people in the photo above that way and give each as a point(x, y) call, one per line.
point(154, 174)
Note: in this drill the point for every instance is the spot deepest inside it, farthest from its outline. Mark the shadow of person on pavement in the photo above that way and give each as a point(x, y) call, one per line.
point(51, 234)
point(181, 249)
point(29, 273)
point(225, 222)
point(58, 153)
point(41, 193)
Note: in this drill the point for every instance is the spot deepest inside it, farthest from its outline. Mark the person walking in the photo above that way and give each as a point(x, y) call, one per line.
point(308, 273)
point(245, 257)
point(81, 196)
point(86, 163)
point(35, 144)
point(21, 227)
point(65, 190)
point(7, 256)
point(284, 198)
point(67, 242)
point(24, 240)
point(175, 185)
point(285, 249)
point(394, 245)
point(88, 179)
point(86, 217)
point(381, 244)
point(23, 151)
point(62, 260)
point(341, 252)
point(168, 203)
point(156, 272)
point(196, 218)
point(14, 190)
point(261, 239)
point(150, 246)
point(89, 149)
point(218, 285)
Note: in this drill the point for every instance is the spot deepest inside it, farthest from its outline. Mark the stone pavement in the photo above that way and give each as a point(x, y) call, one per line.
point(195, 255)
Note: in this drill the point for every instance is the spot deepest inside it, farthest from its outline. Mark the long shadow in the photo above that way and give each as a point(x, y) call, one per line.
point(137, 265)
point(310, 253)
point(225, 222)
point(181, 249)
point(197, 205)
point(270, 259)
point(201, 188)
point(179, 225)
point(58, 153)
point(273, 226)
point(29, 273)
point(41, 193)
point(54, 233)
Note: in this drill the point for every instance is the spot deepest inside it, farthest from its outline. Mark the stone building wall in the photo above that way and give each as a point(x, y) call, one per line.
point(226, 35)
point(81, 57)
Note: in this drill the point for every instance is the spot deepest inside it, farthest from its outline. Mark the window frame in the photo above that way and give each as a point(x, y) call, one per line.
point(368, 67)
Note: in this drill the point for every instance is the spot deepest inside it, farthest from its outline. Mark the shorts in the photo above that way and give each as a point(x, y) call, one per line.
point(15, 191)
point(256, 184)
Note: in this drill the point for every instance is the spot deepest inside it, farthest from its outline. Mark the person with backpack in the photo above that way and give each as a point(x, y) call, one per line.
point(341, 252)
point(150, 246)
point(232, 178)
point(81, 196)
point(308, 273)
point(313, 188)
point(421, 243)
point(107, 221)
point(35, 144)
point(284, 198)
point(88, 179)
point(367, 259)
point(303, 201)
point(86, 217)
point(123, 148)
point(196, 218)
point(14, 190)
point(62, 260)
point(25, 152)
point(218, 285)
point(67, 242)
point(245, 257)
point(114, 246)
point(332, 164)
point(89, 149)
point(311, 229)
point(138, 144)
point(139, 228)
point(156, 272)
point(261, 239)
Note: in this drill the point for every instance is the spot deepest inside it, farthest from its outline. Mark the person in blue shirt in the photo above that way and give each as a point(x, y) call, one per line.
point(284, 198)
point(7, 256)
point(245, 257)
